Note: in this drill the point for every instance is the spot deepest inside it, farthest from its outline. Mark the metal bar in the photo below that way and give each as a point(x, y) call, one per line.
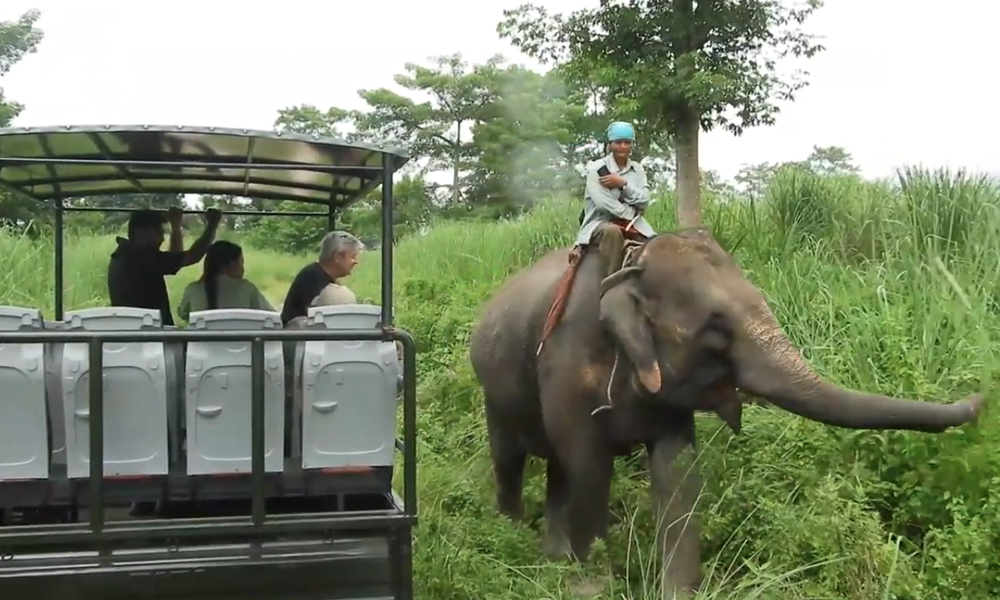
point(95, 340)
point(191, 164)
point(158, 524)
point(331, 219)
point(189, 335)
point(305, 524)
point(188, 211)
point(246, 175)
point(409, 421)
point(95, 419)
point(195, 177)
point(387, 241)
point(257, 429)
point(59, 256)
point(113, 189)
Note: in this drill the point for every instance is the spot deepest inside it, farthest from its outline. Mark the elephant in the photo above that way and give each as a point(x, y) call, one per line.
point(638, 350)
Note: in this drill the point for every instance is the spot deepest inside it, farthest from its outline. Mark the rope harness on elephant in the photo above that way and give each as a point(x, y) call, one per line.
point(632, 250)
point(562, 295)
point(565, 285)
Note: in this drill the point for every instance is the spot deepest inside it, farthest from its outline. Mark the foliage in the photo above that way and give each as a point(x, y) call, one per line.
point(792, 509)
point(17, 39)
point(677, 66)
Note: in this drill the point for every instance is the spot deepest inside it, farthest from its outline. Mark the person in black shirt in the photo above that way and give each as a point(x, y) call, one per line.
point(138, 266)
point(338, 255)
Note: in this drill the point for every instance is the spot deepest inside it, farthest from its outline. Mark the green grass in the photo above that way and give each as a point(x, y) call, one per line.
point(888, 286)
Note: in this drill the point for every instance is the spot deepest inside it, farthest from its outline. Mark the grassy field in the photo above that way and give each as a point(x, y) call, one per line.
point(889, 287)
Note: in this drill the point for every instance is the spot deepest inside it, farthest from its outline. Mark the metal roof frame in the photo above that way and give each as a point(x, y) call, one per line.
point(56, 163)
point(53, 164)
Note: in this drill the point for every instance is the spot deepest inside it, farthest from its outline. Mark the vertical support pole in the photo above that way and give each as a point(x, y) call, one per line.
point(95, 371)
point(387, 239)
point(331, 218)
point(409, 421)
point(59, 257)
point(257, 437)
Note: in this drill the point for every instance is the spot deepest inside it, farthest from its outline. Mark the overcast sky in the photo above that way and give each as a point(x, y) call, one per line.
point(901, 82)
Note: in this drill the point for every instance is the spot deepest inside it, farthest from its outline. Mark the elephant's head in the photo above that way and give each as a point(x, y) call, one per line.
point(686, 304)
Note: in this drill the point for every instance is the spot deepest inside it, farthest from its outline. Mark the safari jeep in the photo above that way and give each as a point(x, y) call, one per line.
point(272, 477)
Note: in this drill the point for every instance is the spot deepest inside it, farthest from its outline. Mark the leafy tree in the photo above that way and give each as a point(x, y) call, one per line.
point(682, 66)
point(437, 129)
point(306, 118)
point(828, 160)
point(411, 204)
point(17, 39)
point(831, 160)
point(530, 139)
point(289, 234)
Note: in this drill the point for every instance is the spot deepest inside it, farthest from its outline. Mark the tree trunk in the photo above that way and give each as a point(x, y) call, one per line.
point(688, 180)
point(456, 165)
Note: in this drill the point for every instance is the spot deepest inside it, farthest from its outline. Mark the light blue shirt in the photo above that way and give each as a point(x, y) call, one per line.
point(603, 204)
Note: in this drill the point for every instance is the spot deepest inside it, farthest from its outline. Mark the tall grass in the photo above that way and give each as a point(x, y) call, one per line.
point(886, 286)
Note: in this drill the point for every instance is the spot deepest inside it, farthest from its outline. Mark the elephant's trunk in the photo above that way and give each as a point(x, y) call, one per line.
point(770, 366)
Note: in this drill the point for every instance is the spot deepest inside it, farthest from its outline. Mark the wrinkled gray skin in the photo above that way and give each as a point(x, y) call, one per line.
point(690, 328)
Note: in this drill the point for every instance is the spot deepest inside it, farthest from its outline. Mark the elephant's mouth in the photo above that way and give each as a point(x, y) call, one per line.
point(700, 377)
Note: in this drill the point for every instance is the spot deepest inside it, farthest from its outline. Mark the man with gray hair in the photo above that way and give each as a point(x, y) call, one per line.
point(318, 283)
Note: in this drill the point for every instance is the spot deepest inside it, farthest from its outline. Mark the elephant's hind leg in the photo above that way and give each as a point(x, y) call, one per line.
point(509, 458)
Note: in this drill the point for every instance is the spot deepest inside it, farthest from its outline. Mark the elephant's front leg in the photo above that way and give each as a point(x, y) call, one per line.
point(588, 478)
point(675, 487)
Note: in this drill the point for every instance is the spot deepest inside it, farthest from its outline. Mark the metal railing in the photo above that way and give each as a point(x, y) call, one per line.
point(97, 530)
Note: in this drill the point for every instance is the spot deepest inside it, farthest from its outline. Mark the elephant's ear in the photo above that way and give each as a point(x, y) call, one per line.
point(622, 314)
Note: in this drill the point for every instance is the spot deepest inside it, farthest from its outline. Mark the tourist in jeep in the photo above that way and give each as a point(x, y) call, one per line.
point(222, 284)
point(318, 283)
point(137, 267)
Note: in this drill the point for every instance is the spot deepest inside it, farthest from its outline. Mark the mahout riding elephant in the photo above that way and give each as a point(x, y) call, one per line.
point(635, 354)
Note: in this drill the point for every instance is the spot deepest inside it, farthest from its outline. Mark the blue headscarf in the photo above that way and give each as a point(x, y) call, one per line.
point(620, 130)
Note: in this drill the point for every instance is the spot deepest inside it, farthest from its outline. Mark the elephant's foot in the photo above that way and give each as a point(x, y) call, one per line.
point(556, 545)
point(514, 512)
point(589, 586)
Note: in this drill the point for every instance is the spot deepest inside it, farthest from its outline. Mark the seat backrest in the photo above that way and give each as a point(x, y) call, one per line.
point(135, 395)
point(217, 395)
point(24, 451)
point(348, 392)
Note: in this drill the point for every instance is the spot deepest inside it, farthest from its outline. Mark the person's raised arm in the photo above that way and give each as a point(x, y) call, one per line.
point(175, 217)
point(637, 194)
point(200, 246)
point(603, 199)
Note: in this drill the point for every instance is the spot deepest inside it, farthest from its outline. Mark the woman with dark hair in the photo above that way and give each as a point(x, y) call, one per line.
point(222, 284)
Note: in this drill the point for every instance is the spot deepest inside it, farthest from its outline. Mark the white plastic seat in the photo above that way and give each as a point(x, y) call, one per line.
point(218, 395)
point(135, 395)
point(24, 451)
point(348, 392)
